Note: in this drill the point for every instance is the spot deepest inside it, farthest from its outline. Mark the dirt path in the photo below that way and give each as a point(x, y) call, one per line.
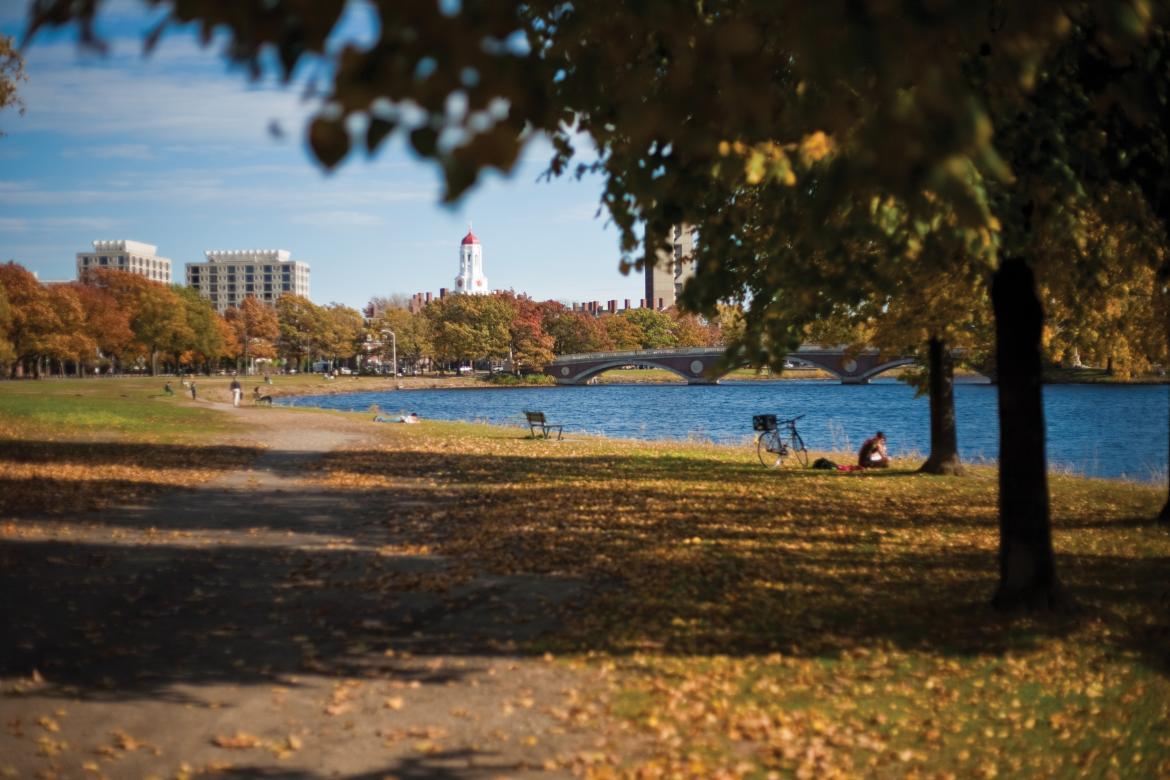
point(257, 627)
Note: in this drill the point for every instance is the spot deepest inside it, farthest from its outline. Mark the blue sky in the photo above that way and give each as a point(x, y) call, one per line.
point(174, 150)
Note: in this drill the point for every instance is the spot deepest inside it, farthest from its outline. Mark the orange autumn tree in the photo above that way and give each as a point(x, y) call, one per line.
point(32, 320)
point(255, 328)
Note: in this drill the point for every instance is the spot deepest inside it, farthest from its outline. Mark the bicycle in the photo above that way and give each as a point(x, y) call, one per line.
point(777, 440)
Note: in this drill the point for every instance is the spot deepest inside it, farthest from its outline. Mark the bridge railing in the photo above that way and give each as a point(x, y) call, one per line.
point(634, 354)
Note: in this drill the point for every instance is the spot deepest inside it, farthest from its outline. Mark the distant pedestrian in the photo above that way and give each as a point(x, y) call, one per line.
point(237, 391)
point(192, 386)
point(168, 389)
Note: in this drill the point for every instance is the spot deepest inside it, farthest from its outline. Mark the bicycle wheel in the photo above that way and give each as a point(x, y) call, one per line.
point(770, 449)
point(799, 450)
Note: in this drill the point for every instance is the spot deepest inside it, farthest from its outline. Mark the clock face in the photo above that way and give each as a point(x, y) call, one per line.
point(459, 282)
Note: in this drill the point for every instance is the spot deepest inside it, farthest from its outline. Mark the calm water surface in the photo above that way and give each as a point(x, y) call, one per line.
point(1116, 431)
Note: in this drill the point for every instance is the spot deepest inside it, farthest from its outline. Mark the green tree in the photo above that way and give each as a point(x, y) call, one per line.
point(412, 335)
point(624, 333)
point(344, 331)
point(469, 327)
point(658, 331)
point(205, 341)
point(302, 327)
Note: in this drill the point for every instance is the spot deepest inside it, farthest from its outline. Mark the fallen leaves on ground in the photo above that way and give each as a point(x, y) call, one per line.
point(812, 625)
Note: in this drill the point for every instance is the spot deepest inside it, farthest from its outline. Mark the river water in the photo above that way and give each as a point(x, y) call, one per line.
point(1114, 431)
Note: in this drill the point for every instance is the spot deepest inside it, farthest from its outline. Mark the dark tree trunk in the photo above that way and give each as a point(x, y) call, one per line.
point(1027, 566)
point(944, 440)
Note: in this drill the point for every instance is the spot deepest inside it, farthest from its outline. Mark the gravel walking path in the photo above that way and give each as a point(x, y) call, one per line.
point(257, 627)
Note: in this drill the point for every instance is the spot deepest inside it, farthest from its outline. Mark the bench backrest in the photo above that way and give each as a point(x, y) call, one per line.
point(535, 418)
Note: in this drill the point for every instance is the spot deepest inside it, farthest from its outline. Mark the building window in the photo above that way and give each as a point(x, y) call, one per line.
point(286, 287)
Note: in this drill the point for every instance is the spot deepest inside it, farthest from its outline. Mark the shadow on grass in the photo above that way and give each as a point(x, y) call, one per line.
point(248, 585)
point(463, 764)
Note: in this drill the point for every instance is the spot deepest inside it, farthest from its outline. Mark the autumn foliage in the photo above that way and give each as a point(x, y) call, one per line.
point(115, 321)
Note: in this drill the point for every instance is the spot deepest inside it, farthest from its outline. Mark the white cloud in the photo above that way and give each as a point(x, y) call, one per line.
point(111, 152)
point(338, 219)
point(179, 94)
point(301, 191)
point(23, 224)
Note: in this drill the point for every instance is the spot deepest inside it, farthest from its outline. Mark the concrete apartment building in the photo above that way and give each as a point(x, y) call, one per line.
point(665, 281)
point(228, 277)
point(130, 256)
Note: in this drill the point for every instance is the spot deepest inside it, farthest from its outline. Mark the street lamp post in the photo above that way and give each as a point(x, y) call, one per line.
point(393, 351)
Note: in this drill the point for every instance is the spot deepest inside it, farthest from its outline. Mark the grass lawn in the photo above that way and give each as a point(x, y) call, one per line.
point(753, 623)
point(811, 623)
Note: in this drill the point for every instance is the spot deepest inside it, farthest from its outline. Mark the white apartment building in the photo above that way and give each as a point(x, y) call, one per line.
point(228, 277)
point(130, 256)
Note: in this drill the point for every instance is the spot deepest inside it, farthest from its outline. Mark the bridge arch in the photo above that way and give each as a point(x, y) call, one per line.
point(593, 371)
point(695, 364)
point(884, 367)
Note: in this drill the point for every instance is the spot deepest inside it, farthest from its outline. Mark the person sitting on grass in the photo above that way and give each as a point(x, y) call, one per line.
point(872, 454)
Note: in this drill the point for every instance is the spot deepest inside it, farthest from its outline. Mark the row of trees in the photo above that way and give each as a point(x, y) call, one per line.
point(461, 329)
point(117, 321)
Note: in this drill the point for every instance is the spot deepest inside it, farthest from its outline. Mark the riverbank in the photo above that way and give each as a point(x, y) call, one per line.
point(195, 588)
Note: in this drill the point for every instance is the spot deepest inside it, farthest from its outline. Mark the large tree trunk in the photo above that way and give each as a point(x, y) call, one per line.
point(944, 440)
point(1027, 566)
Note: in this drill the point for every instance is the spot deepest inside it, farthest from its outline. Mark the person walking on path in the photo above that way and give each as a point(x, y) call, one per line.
point(192, 386)
point(237, 391)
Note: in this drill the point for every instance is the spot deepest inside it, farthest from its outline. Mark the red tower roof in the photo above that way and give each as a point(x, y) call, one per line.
point(469, 239)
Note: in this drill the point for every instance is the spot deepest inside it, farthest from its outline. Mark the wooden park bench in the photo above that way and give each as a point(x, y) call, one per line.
point(538, 422)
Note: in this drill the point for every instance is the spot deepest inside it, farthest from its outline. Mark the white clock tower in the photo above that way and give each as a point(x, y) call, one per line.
point(471, 279)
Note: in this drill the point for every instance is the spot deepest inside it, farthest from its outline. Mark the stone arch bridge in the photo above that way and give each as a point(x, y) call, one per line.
point(697, 365)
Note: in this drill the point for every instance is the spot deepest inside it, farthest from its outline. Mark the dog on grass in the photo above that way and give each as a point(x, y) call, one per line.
point(261, 399)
